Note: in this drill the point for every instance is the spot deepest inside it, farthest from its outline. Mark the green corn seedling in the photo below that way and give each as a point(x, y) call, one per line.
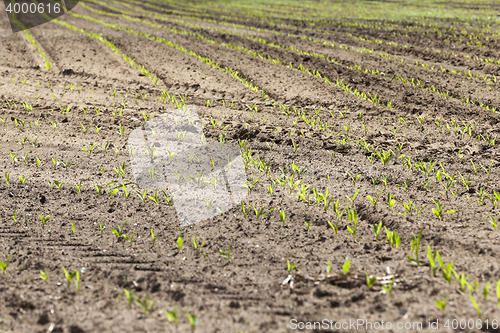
point(354, 180)
point(370, 281)
point(295, 147)
point(44, 275)
point(98, 188)
point(335, 227)
point(462, 281)
point(439, 211)
point(244, 210)
point(227, 254)
point(112, 192)
point(79, 186)
point(259, 212)
point(130, 238)
point(44, 219)
point(105, 147)
point(290, 267)
point(77, 280)
point(393, 238)
point(23, 180)
point(353, 219)
point(384, 181)
point(353, 198)
point(58, 183)
point(85, 129)
point(130, 297)
point(67, 165)
point(486, 291)
point(474, 167)
point(153, 237)
point(119, 231)
point(346, 266)
point(374, 201)
point(121, 130)
point(449, 183)
point(441, 304)
point(406, 185)
point(419, 211)
point(326, 200)
point(476, 306)
point(432, 259)
point(172, 316)
point(391, 201)
point(415, 246)
point(146, 305)
point(498, 293)
point(127, 193)
point(376, 229)
point(425, 168)
point(385, 157)
point(193, 320)
point(497, 198)
point(90, 148)
point(308, 224)
point(388, 289)
point(13, 156)
point(493, 222)
point(143, 196)
point(151, 152)
point(282, 216)
point(447, 271)
point(155, 197)
point(197, 246)
point(439, 176)
point(488, 171)
point(304, 193)
point(408, 206)
point(250, 185)
point(180, 241)
point(270, 187)
point(339, 214)
point(69, 276)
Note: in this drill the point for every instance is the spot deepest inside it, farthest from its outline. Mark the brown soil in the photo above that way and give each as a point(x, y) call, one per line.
point(251, 293)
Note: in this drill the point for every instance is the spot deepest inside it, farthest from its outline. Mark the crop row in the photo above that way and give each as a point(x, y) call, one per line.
point(366, 96)
point(465, 100)
point(318, 41)
point(284, 25)
point(226, 70)
point(31, 39)
point(385, 157)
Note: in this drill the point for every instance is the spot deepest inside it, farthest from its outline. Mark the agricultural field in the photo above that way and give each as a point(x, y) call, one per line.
point(367, 133)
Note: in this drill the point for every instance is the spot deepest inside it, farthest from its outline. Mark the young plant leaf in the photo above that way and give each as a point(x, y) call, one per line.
point(4, 265)
point(370, 280)
point(227, 254)
point(346, 266)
